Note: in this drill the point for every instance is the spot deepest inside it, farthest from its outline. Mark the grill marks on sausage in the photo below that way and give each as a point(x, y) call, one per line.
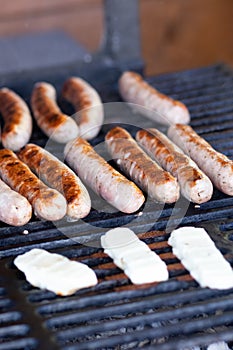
point(9, 105)
point(216, 165)
point(57, 175)
point(75, 92)
point(17, 120)
point(19, 176)
point(49, 169)
point(102, 177)
point(205, 146)
point(143, 85)
point(159, 107)
point(195, 185)
point(88, 105)
point(135, 157)
point(48, 113)
point(140, 167)
point(60, 127)
point(47, 203)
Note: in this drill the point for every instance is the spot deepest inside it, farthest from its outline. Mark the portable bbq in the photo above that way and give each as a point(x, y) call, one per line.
point(115, 314)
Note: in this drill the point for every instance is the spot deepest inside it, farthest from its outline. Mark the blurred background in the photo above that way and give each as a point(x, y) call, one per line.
point(175, 34)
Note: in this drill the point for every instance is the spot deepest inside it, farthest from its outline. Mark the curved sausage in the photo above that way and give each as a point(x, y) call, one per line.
point(87, 103)
point(15, 210)
point(194, 184)
point(147, 174)
point(158, 107)
point(57, 175)
point(56, 125)
point(17, 129)
point(102, 178)
point(47, 203)
point(217, 166)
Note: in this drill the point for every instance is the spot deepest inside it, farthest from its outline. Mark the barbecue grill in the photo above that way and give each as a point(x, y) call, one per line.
point(115, 314)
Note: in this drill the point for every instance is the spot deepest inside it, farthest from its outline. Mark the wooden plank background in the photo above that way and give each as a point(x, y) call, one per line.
point(175, 34)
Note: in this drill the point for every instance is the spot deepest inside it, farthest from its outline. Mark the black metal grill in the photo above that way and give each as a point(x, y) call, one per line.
point(115, 314)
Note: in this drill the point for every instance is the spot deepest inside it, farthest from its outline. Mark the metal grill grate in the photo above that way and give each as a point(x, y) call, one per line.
point(115, 314)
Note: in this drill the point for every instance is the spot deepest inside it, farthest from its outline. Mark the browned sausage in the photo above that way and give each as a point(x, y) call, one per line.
point(157, 106)
point(87, 103)
point(146, 173)
point(102, 178)
point(57, 175)
point(14, 209)
point(194, 184)
point(217, 166)
point(47, 203)
point(17, 129)
point(56, 125)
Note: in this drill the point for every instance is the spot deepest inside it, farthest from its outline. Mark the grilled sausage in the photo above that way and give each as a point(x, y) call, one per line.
point(56, 125)
point(14, 209)
point(102, 178)
point(47, 203)
point(217, 166)
point(157, 106)
point(57, 175)
point(194, 184)
point(147, 174)
point(87, 103)
point(18, 121)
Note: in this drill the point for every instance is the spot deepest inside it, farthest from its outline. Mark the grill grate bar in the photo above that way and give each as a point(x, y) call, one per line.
point(184, 327)
point(5, 303)
point(210, 91)
point(20, 344)
point(205, 119)
point(132, 321)
point(14, 331)
point(111, 297)
point(202, 214)
point(214, 127)
point(203, 73)
point(199, 86)
point(204, 339)
point(11, 316)
point(116, 313)
point(212, 98)
point(219, 135)
point(212, 104)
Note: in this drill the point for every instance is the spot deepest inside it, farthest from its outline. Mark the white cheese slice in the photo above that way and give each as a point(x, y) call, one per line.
point(138, 261)
point(123, 237)
point(218, 346)
point(199, 255)
point(55, 272)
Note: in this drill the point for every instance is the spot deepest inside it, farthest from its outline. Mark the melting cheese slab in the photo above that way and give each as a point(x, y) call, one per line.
point(201, 258)
point(55, 272)
point(138, 261)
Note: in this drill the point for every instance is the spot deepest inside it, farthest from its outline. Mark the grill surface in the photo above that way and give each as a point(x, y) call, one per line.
point(115, 314)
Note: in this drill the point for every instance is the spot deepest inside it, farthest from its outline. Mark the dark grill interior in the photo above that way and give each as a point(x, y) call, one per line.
point(115, 314)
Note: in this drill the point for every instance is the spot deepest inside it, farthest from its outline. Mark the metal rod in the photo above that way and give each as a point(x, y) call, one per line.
point(121, 40)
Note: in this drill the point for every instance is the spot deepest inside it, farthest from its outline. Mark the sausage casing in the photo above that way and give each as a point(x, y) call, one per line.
point(56, 125)
point(47, 203)
point(147, 174)
point(194, 184)
point(57, 175)
point(17, 129)
point(217, 166)
point(103, 178)
point(157, 106)
point(87, 104)
point(14, 209)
